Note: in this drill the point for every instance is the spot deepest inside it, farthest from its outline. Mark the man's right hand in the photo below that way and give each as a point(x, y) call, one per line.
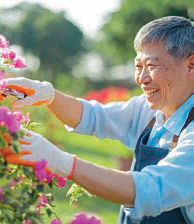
point(37, 93)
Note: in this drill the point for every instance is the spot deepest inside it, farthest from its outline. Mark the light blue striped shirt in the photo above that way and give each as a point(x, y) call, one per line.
point(161, 187)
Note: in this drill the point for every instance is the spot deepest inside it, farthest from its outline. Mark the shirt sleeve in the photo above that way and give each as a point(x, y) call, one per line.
point(170, 183)
point(123, 121)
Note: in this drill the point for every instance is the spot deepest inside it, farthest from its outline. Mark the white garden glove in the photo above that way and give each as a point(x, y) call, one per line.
point(58, 161)
point(36, 92)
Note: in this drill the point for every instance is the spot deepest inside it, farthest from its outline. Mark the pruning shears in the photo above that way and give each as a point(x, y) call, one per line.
point(9, 91)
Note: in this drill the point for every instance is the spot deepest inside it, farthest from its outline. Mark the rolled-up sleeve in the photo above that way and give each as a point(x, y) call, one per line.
point(123, 121)
point(170, 183)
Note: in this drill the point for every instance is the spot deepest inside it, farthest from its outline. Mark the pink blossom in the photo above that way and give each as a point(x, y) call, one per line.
point(61, 182)
point(12, 184)
point(43, 200)
point(1, 193)
point(2, 74)
point(21, 117)
point(3, 114)
point(27, 222)
point(8, 168)
point(41, 173)
point(3, 84)
point(56, 221)
point(13, 123)
point(3, 42)
point(82, 218)
point(42, 203)
point(18, 115)
point(26, 118)
point(38, 207)
point(18, 64)
point(1, 197)
point(12, 54)
point(7, 54)
point(1, 190)
point(8, 119)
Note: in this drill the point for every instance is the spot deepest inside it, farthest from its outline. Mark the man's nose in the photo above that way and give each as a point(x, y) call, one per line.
point(144, 77)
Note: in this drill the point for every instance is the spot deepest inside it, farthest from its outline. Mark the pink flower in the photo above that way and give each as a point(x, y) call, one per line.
point(7, 54)
point(1, 193)
point(61, 182)
point(41, 173)
point(3, 42)
point(42, 203)
point(43, 200)
point(12, 184)
point(3, 84)
point(18, 115)
point(9, 119)
point(12, 123)
point(2, 74)
point(21, 117)
point(18, 64)
point(56, 221)
point(26, 118)
point(12, 55)
point(3, 114)
point(82, 218)
point(27, 222)
point(38, 207)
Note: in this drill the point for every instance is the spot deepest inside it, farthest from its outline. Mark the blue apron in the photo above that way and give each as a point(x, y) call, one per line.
point(145, 156)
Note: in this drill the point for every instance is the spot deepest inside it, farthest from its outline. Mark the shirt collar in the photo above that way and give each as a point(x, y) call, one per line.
point(176, 122)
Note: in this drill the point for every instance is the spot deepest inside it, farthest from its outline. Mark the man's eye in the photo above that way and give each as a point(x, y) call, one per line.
point(138, 66)
point(151, 66)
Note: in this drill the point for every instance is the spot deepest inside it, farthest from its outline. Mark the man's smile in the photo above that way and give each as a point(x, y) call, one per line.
point(150, 91)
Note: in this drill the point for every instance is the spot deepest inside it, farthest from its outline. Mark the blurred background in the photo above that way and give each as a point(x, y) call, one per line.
point(85, 48)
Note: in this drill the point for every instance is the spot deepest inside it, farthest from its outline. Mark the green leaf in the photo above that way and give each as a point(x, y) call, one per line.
point(49, 212)
point(33, 125)
point(76, 191)
point(3, 143)
point(40, 188)
point(50, 185)
point(16, 147)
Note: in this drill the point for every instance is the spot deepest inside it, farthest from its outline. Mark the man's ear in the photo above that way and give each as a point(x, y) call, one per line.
point(190, 66)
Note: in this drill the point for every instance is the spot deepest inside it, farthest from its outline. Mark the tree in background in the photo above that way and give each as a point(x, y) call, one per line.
point(51, 37)
point(116, 43)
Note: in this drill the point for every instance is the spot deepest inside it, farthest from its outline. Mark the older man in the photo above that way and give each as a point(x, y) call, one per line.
point(158, 124)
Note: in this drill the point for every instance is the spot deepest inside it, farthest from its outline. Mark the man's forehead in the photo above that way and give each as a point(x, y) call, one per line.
point(142, 56)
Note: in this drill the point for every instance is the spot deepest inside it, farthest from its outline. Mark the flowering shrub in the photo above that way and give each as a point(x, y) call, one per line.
point(24, 196)
point(82, 218)
point(110, 94)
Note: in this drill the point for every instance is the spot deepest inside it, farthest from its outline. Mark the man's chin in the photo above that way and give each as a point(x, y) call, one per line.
point(152, 106)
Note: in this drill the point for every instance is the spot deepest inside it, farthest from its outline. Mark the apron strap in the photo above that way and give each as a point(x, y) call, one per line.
point(188, 121)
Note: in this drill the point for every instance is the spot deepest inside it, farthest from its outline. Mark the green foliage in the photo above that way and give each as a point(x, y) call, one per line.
point(120, 30)
point(31, 125)
point(18, 199)
point(76, 191)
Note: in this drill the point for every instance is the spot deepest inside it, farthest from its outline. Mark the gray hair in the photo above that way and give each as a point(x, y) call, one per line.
point(177, 33)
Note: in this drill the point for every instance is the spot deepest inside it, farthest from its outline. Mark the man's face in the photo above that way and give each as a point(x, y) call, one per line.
point(162, 78)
